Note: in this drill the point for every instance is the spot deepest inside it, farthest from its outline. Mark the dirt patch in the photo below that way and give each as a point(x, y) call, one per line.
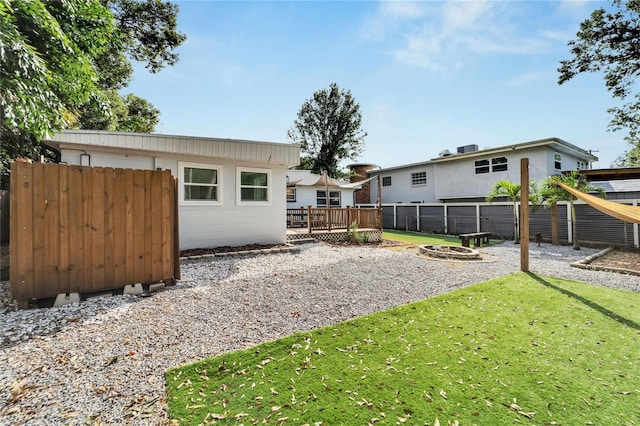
point(619, 259)
point(228, 249)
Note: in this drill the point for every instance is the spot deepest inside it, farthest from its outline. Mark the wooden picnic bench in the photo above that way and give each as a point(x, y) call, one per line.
point(477, 237)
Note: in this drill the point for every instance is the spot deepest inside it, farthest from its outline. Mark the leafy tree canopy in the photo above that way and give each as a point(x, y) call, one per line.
point(609, 42)
point(328, 130)
point(62, 62)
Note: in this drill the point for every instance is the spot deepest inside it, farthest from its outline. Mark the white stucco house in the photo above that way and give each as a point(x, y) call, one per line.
point(308, 189)
point(469, 173)
point(231, 192)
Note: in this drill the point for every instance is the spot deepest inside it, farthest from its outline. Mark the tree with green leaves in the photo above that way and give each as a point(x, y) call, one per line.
point(609, 42)
point(46, 71)
point(328, 130)
point(631, 158)
point(511, 191)
point(552, 193)
point(62, 62)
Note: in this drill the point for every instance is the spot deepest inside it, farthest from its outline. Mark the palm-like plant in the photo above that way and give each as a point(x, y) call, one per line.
point(510, 190)
point(552, 193)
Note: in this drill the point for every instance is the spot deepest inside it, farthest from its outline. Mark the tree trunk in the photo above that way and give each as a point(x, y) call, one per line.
point(574, 227)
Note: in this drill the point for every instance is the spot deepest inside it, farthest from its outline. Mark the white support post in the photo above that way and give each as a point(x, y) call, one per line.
point(636, 239)
point(446, 219)
point(569, 224)
point(395, 216)
point(418, 217)
point(478, 218)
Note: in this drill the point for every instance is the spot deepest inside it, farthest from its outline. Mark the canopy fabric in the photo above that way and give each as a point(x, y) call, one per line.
point(358, 183)
point(330, 183)
point(326, 181)
point(620, 211)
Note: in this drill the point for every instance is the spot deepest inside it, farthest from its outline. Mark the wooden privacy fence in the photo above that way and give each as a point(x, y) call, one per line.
point(78, 229)
point(315, 219)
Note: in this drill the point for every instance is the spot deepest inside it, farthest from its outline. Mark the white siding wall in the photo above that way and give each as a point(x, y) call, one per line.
point(401, 190)
point(306, 195)
point(458, 179)
point(228, 224)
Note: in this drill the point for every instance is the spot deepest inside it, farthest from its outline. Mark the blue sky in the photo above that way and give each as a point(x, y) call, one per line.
point(428, 75)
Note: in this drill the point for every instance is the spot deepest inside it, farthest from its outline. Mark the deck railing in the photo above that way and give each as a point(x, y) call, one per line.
point(317, 219)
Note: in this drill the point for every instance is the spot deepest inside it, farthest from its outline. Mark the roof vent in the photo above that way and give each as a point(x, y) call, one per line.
point(444, 153)
point(467, 148)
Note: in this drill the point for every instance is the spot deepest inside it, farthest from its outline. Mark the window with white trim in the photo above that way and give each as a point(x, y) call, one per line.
point(200, 184)
point(386, 181)
point(482, 166)
point(418, 178)
point(334, 198)
point(557, 161)
point(291, 195)
point(253, 186)
point(581, 165)
point(499, 164)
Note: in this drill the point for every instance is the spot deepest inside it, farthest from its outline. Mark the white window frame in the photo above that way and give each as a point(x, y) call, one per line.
point(482, 166)
point(239, 200)
point(386, 180)
point(418, 181)
point(497, 163)
point(557, 159)
point(181, 166)
point(331, 197)
point(293, 192)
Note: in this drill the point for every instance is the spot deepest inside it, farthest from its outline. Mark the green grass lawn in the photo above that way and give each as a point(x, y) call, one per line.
point(420, 238)
point(520, 349)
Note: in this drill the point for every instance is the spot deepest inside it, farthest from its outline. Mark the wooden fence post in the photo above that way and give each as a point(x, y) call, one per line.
point(524, 214)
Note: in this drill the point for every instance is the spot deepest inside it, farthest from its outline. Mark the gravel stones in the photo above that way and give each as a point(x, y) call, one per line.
point(103, 360)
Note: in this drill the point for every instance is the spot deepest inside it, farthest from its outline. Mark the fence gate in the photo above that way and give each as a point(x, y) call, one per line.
point(85, 229)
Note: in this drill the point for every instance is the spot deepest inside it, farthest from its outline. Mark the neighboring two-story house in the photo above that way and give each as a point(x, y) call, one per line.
point(469, 174)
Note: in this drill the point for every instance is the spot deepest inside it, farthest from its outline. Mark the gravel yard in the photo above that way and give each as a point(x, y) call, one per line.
point(103, 360)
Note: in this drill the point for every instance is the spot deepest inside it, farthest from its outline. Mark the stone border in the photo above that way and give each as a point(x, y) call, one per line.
point(451, 252)
point(289, 249)
point(586, 264)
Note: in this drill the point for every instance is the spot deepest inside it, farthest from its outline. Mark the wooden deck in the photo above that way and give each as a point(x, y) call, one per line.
point(321, 219)
point(363, 234)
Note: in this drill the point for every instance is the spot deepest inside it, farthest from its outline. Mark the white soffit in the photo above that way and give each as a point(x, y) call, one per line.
point(253, 151)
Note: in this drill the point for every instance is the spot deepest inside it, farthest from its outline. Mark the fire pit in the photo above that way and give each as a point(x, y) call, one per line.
point(450, 252)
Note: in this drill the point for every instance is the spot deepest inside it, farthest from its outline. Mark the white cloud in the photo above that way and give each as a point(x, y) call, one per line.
point(441, 35)
point(524, 79)
point(402, 9)
point(390, 16)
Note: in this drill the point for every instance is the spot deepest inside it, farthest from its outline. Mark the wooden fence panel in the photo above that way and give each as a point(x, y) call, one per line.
point(83, 229)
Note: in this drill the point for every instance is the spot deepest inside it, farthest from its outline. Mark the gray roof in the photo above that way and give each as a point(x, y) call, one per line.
point(624, 185)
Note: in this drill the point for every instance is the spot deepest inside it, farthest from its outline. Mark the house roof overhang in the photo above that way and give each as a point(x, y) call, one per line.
point(281, 154)
point(611, 174)
point(554, 143)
